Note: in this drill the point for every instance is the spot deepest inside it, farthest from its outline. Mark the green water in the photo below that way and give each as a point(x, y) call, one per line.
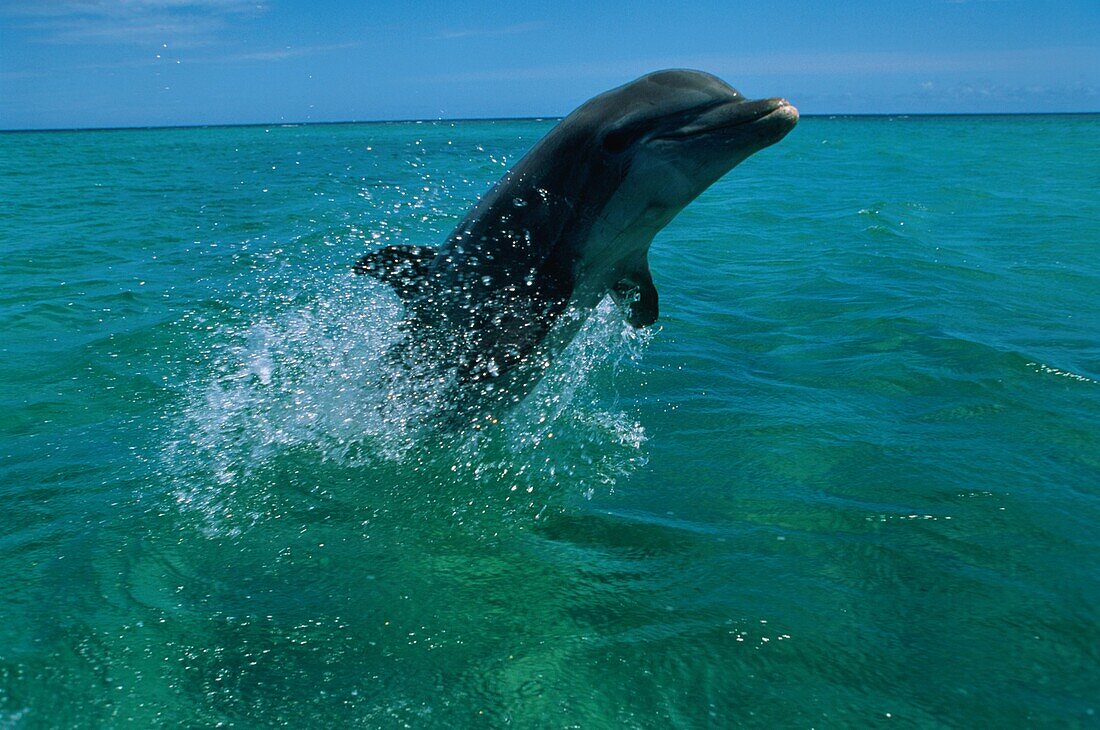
point(853, 478)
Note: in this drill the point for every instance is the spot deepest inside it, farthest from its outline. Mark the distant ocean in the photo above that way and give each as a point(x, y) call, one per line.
point(852, 478)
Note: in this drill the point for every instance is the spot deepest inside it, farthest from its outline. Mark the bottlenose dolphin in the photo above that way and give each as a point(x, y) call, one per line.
point(570, 224)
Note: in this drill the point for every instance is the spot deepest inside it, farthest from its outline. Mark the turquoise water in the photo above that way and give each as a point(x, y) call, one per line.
point(852, 479)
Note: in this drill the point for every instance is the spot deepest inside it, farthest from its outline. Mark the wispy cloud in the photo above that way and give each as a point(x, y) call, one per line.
point(21, 75)
point(987, 90)
point(452, 33)
point(856, 63)
point(129, 22)
point(276, 54)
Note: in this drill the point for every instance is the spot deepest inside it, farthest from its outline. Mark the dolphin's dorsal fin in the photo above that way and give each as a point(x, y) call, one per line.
point(402, 267)
point(637, 293)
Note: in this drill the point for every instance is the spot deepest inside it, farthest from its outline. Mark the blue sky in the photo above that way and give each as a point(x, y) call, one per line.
point(100, 63)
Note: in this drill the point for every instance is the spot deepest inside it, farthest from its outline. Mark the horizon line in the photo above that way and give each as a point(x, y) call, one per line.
point(532, 118)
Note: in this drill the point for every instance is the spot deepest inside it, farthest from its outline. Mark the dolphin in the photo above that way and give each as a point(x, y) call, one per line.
point(570, 224)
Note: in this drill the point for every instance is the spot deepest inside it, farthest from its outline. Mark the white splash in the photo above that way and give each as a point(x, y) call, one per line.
point(309, 374)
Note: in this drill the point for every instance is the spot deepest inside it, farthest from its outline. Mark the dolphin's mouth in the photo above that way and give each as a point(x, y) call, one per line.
point(739, 114)
point(782, 109)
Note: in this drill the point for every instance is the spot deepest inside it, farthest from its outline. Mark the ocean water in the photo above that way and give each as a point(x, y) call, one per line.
point(852, 478)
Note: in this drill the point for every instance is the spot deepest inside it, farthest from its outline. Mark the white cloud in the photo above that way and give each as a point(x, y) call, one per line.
point(129, 22)
point(21, 75)
point(276, 54)
point(852, 64)
point(453, 33)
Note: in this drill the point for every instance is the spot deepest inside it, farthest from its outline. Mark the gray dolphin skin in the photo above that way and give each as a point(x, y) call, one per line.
point(571, 223)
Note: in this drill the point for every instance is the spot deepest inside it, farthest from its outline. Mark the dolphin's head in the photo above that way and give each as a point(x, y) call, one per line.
point(665, 138)
point(689, 120)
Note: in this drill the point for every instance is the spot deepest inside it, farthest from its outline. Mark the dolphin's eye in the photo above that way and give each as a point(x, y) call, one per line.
point(616, 141)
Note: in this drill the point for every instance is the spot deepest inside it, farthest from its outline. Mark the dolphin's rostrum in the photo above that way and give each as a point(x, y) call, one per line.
point(569, 224)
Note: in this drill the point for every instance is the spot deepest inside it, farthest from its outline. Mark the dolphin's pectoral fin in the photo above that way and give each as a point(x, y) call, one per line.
point(402, 267)
point(637, 293)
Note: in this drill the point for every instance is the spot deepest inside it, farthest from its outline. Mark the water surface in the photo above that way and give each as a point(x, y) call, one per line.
point(852, 478)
